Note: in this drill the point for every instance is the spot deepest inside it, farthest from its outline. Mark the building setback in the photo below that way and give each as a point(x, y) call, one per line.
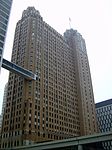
point(60, 103)
point(5, 7)
point(104, 119)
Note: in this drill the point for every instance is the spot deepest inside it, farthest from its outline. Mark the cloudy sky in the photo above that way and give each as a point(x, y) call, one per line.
point(92, 18)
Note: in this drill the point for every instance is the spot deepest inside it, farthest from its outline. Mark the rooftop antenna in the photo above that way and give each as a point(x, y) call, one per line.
point(70, 22)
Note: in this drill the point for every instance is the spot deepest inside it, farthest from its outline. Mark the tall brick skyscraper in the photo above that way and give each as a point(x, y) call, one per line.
point(60, 103)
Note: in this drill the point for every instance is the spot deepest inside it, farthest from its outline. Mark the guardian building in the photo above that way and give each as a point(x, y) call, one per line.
point(60, 103)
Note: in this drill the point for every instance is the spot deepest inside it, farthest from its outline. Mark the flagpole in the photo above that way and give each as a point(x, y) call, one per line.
point(70, 22)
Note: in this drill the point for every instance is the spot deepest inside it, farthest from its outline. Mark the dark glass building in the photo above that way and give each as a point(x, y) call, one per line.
point(104, 119)
point(5, 7)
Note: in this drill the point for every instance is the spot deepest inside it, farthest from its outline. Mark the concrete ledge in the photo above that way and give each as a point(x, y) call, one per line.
point(100, 137)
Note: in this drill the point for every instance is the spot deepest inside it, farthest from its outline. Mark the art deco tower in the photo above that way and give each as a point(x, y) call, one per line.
point(60, 103)
point(83, 81)
point(5, 7)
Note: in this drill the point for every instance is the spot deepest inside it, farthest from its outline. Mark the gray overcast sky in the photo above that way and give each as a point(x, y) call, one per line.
point(92, 18)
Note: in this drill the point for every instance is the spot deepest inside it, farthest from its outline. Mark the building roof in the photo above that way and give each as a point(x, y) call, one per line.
point(103, 103)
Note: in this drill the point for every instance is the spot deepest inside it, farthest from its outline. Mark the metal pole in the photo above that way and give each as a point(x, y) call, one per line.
point(80, 147)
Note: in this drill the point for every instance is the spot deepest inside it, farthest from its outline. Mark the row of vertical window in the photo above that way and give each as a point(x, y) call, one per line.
point(104, 109)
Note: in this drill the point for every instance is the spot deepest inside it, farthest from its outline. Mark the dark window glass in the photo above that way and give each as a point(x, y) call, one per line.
point(4, 15)
point(3, 26)
point(2, 32)
point(1, 51)
point(3, 20)
point(4, 9)
point(8, 1)
point(4, 4)
point(2, 38)
point(1, 44)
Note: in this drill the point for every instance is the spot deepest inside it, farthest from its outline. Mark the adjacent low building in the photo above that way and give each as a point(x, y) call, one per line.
point(104, 119)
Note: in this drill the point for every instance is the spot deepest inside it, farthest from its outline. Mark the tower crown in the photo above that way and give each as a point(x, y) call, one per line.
point(30, 11)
